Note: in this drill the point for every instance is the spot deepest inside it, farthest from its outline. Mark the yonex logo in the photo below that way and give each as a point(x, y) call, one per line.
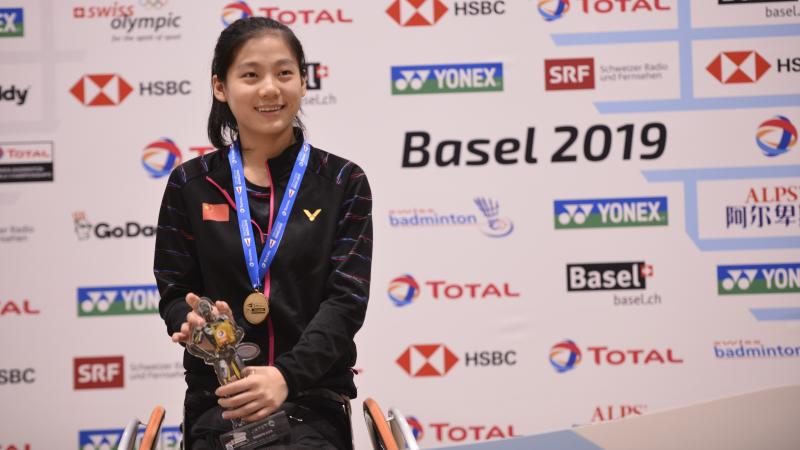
point(611, 212)
point(428, 360)
point(107, 439)
point(117, 300)
point(758, 279)
point(447, 78)
point(12, 22)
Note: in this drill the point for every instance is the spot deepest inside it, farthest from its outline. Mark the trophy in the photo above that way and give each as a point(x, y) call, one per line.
point(219, 343)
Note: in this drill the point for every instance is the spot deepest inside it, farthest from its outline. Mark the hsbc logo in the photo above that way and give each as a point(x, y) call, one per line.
point(100, 372)
point(113, 89)
point(564, 74)
point(423, 13)
point(436, 360)
point(738, 67)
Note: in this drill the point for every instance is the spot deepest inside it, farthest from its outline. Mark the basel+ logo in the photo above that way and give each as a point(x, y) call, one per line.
point(101, 90)
point(160, 157)
point(235, 11)
point(412, 13)
point(738, 67)
point(553, 9)
point(427, 360)
point(776, 136)
point(403, 290)
point(758, 279)
point(564, 356)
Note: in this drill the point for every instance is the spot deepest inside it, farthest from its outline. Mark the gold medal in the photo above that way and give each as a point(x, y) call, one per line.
point(256, 308)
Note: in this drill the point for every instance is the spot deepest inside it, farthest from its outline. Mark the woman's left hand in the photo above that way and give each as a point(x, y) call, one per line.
point(260, 393)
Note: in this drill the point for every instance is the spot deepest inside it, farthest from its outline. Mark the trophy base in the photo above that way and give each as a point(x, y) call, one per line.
point(257, 434)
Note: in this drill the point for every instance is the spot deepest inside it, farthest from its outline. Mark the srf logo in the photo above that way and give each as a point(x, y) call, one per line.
point(403, 290)
point(101, 90)
point(738, 67)
point(564, 356)
point(565, 74)
point(415, 13)
point(427, 360)
point(99, 372)
point(758, 279)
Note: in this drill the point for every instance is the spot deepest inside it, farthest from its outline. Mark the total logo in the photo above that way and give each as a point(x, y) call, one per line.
point(424, 13)
point(12, 22)
point(104, 439)
point(17, 308)
point(436, 360)
point(103, 230)
point(160, 157)
point(18, 376)
point(758, 279)
point(566, 355)
point(100, 372)
point(494, 226)
point(552, 10)
point(241, 10)
point(447, 78)
point(117, 300)
point(613, 412)
point(111, 89)
point(610, 212)
point(776, 136)
point(446, 432)
point(404, 290)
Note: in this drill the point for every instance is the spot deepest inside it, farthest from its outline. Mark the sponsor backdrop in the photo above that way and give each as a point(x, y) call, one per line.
point(584, 209)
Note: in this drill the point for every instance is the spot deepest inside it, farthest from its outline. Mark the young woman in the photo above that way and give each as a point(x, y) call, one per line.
point(281, 234)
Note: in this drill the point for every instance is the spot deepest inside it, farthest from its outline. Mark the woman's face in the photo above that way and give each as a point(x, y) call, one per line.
point(263, 88)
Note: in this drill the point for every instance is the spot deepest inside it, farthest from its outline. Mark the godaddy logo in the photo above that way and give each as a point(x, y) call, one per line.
point(447, 78)
point(611, 212)
point(758, 279)
point(117, 300)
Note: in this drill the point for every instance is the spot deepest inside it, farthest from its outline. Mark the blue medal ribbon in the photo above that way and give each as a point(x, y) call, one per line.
point(258, 270)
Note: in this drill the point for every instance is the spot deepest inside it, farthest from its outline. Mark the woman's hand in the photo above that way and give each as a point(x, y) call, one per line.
point(260, 393)
point(194, 320)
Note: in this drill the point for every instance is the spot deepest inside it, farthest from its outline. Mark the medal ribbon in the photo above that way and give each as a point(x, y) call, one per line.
point(257, 270)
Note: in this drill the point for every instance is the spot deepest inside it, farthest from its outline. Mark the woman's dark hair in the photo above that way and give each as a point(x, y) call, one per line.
point(222, 127)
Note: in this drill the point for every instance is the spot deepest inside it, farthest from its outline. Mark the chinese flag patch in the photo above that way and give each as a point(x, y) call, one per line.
point(216, 212)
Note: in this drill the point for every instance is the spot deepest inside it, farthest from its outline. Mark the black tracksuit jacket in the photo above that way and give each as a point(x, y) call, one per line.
point(319, 277)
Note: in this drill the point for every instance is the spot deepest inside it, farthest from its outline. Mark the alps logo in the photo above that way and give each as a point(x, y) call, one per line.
point(404, 290)
point(758, 279)
point(12, 22)
point(608, 276)
point(17, 308)
point(566, 355)
point(428, 360)
point(306, 16)
point(568, 74)
point(105, 439)
point(613, 412)
point(99, 372)
point(447, 78)
point(103, 230)
point(117, 300)
point(610, 212)
point(738, 67)
point(552, 10)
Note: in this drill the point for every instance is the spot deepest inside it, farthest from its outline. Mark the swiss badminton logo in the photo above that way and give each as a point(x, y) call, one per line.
point(160, 157)
point(776, 136)
point(403, 290)
point(235, 11)
point(564, 356)
point(553, 9)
